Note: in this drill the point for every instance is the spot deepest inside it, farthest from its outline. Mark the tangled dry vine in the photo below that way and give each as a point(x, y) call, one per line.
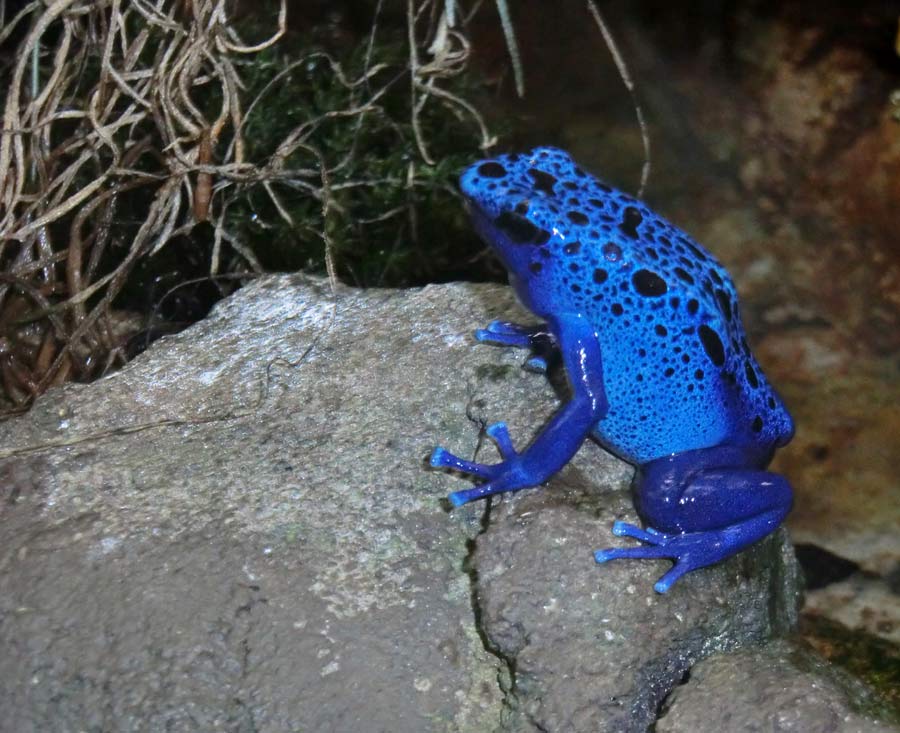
point(143, 100)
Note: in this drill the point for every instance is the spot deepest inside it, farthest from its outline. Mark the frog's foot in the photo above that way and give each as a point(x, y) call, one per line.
point(689, 550)
point(717, 504)
point(505, 333)
point(536, 338)
point(682, 548)
point(497, 476)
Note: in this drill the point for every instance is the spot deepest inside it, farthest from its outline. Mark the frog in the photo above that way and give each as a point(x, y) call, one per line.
point(646, 324)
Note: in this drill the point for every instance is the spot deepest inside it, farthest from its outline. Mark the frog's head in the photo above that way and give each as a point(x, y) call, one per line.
point(515, 209)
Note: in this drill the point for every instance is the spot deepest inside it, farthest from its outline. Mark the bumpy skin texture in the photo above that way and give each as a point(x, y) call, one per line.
point(647, 325)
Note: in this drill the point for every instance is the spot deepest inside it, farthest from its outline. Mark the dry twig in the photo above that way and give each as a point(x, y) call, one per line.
point(122, 108)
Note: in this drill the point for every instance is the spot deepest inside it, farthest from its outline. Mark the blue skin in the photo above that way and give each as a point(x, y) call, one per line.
point(647, 326)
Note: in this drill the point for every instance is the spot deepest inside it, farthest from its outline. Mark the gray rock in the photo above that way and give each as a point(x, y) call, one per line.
point(237, 532)
point(779, 688)
point(594, 648)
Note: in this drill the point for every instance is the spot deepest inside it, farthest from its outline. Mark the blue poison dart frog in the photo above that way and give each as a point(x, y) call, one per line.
point(646, 324)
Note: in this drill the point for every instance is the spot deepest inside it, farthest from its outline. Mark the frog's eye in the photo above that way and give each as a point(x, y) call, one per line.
point(520, 230)
point(543, 181)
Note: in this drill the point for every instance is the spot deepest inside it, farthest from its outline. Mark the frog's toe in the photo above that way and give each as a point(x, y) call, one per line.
point(537, 364)
point(441, 458)
point(499, 433)
point(668, 580)
point(485, 335)
point(504, 478)
point(648, 535)
point(690, 551)
point(644, 552)
point(505, 334)
point(647, 552)
point(458, 498)
point(508, 328)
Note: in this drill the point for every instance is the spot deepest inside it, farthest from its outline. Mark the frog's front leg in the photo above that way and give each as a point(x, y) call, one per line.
point(538, 339)
point(701, 507)
point(563, 435)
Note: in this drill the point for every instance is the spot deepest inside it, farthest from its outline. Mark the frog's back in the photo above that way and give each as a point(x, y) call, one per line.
point(677, 369)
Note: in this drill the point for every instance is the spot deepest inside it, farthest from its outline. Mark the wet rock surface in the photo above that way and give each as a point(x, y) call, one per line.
point(237, 532)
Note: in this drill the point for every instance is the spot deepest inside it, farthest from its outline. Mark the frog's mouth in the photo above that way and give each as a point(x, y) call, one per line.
point(482, 225)
point(492, 235)
point(514, 256)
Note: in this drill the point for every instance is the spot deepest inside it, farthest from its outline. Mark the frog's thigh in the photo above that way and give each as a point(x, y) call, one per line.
point(714, 499)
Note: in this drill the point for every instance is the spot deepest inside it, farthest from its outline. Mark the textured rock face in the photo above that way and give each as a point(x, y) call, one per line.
point(237, 532)
point(780, 687)
point(599, 651)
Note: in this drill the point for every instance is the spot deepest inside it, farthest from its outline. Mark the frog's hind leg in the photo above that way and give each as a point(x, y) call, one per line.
point(700, 517)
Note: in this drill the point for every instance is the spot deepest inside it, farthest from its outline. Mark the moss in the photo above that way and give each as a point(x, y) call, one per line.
point(392, 218)
point(319, 151)
point(874, 660)
point(494, 372)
